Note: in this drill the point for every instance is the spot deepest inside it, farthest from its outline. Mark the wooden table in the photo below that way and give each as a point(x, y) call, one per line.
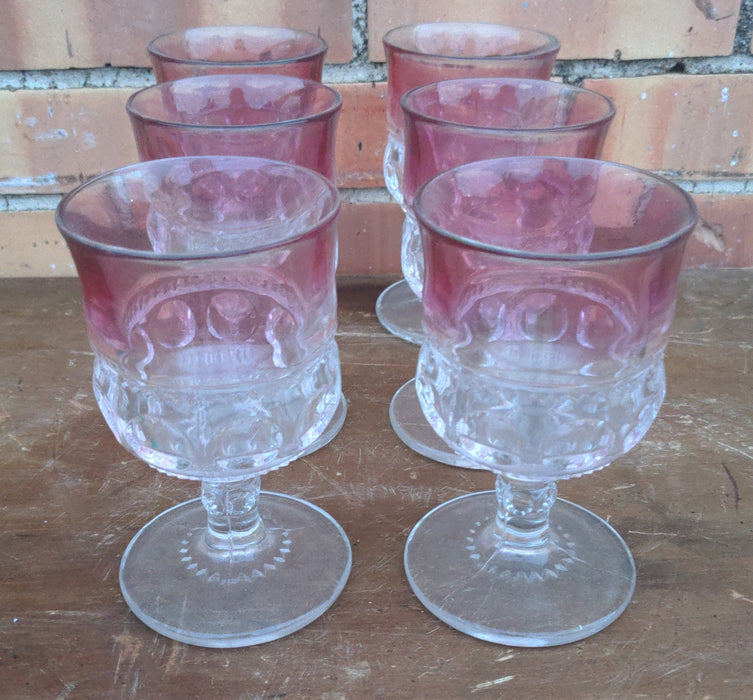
point(72, 498)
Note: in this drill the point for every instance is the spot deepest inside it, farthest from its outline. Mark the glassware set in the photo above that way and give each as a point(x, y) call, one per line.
point(539, 281)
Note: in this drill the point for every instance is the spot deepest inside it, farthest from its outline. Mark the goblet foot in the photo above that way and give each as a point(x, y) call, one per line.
point(400, 311)
point(332, 429)
point(178, 585)
point(573, 587)
point(410, 425)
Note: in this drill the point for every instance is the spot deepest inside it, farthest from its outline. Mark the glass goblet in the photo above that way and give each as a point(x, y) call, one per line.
point(267, 116)
point(453, 122)
point(549, 292)
point(209, 295)
point(418, 54)
point(237, 49)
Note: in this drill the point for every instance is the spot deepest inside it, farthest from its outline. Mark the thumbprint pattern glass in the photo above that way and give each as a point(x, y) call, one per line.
point(237, 49)
point(549, 292)
point(453, 122)
point(267, 116)
point(209, 296)
point(418, 54)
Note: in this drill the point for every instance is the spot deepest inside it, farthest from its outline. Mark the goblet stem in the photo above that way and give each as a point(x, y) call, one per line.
point(522, 519)
point(233, 520)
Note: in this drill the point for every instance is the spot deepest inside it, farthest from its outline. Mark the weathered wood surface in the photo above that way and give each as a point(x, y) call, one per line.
point(71, 499)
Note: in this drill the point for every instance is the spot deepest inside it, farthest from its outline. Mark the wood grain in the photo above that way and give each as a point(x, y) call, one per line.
point(72, 499)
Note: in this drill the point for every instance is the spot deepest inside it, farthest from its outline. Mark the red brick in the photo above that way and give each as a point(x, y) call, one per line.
point(586, 29)
point(30, 245)
point(369, 236)
point(86, 33)
point(695, 126)
point(361, 134)
point(724, 237)
point(691, 125)
point(57, 138)
point(369, 233)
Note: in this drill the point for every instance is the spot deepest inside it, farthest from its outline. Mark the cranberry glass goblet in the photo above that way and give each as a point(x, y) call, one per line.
point(454, 122)
point(209, 294)
point(418, 54)
point(267, 116)
point(549, 292)
point(237, 49)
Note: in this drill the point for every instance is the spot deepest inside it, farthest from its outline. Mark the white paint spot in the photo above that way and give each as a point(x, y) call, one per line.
point(671, 54)
point(644, 95)
point(52, 135)
point(725, 94)
point(30, 122)
point(733, 162)
point(27, 182)
point(735, 134)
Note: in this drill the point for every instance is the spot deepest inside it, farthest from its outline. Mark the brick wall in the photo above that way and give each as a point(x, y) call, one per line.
point(680, 72)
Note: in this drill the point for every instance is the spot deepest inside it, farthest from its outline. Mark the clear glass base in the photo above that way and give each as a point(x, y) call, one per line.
point(400, 311)
point(410, 425)
point(179, 586)
point(334, 427)
point(572, 588)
